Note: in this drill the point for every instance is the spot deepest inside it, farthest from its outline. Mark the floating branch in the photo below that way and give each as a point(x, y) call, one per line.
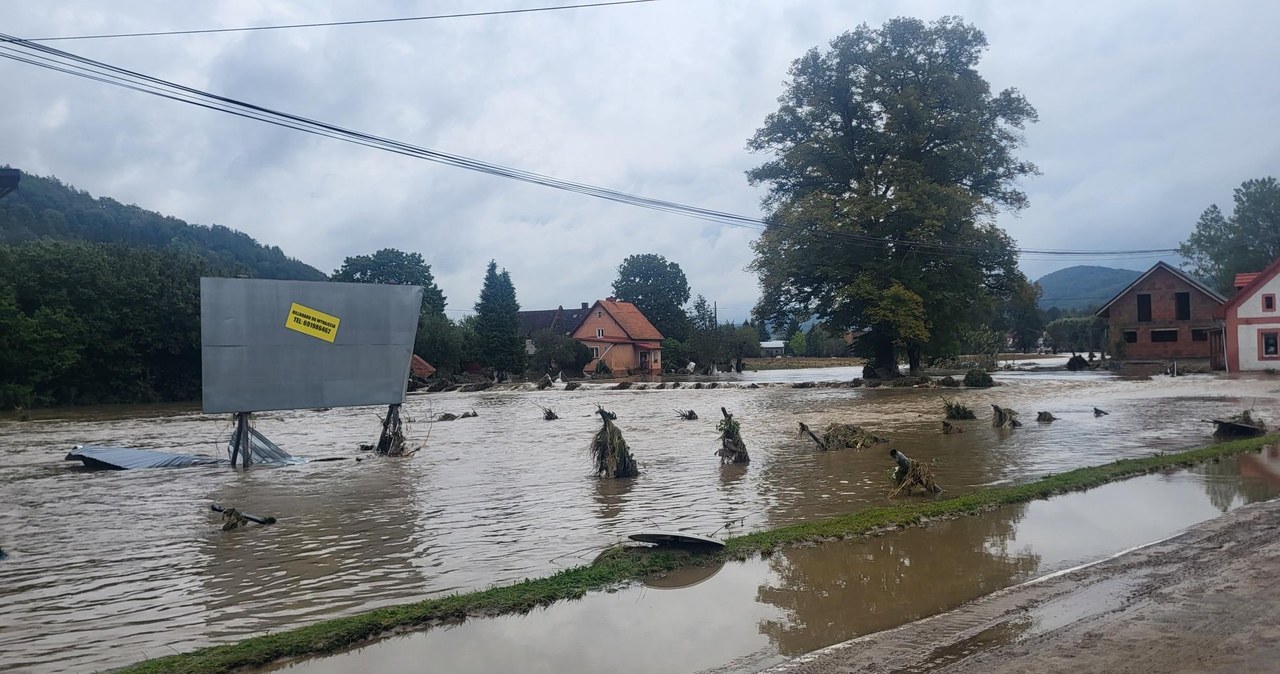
point(547, 413)
point(688, 415)
point(910, 473)
point(732, 448)
point(1100, 413)
point(233, 519)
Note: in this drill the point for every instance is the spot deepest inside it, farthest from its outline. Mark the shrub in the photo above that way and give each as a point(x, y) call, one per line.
point(978, 379)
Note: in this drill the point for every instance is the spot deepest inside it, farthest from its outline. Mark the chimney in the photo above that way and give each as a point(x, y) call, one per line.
point(584, 306)
point(611, 299)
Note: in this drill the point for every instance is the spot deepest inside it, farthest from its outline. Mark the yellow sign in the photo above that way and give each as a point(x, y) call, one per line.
point(311, 322)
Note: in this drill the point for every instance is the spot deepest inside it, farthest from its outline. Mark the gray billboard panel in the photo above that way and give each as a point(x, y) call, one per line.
point(278, 345)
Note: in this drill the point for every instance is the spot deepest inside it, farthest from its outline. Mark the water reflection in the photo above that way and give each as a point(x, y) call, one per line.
point(830, 595)
point(105, 568)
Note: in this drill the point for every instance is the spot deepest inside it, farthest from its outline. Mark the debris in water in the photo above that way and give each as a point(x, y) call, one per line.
point(1242, 425)
point(127, 458)
point(232, 518)
point(688, 415)
point(732, 448)
point(910, 473)
point(1045, 417)
point(1003, 417)
point(622, 386)
point(609, 451)
point(948, 428)
point(545, 382)
point(1099, 413)
point(842, 436)
point(391, 441)
point(957, 411)
point(573, 385)
point(949, 382)
point(667, 538)
point(447, 416)
point(1077, 363)
point(547, 413)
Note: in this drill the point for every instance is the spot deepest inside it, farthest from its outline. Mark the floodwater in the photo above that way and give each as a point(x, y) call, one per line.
point(744, 617)
point(106, 568)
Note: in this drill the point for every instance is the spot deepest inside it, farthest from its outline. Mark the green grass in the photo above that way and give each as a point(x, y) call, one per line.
point(618, 567)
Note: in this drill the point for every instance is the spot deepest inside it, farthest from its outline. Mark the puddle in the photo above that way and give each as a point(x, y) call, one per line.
point(749, 616)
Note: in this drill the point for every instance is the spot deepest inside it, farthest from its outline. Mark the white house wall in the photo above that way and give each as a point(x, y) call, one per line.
point(1252, 320)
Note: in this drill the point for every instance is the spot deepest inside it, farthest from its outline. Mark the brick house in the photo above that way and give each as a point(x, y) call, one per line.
point(620, 335)
point(1253, 321)
point(1165, 315)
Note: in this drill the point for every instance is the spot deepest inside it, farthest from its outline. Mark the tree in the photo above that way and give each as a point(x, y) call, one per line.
point(439, 342)
point(890, 158)
point(658, 288)
point(395, 267)
point(798, 345)
point(497, 323)
point(1247, 240)
point(555, 352)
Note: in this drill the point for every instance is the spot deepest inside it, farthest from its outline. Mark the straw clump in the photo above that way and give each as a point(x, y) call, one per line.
point(609, 451)
point(842, 436)
point(732, 448)
point(956, 411)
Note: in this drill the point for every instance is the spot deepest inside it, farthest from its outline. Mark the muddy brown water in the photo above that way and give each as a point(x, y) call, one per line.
point(106, 568)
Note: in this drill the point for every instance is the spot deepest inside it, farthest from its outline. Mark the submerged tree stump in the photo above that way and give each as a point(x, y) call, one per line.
point(732, 448)
point(1004, 417)
point(1045, 417)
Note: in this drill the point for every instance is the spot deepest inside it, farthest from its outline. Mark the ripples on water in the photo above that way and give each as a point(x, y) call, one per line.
point(111, 567)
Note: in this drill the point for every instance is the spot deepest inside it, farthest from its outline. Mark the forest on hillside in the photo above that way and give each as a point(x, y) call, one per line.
point(100, 302)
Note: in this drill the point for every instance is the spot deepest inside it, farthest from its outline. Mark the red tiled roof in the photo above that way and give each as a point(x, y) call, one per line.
point(632, 321)
point(1245, 278)
point(420, 368)
point(1259, 279)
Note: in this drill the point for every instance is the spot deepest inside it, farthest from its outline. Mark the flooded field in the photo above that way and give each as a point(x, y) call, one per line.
point(744, 617)
point(106, 568)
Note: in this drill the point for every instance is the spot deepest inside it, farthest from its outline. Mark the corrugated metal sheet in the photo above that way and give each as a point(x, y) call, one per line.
point(125, 458)
point(252, 362)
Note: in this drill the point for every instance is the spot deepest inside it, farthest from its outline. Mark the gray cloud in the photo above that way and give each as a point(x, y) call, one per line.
point(1149, 113)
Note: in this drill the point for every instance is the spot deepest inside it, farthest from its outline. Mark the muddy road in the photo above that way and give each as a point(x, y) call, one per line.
point(1204, 601)
point(111, 567)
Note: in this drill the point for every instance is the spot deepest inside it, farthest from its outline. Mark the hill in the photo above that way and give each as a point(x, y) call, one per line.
point(1083, 287)
point(47, 209)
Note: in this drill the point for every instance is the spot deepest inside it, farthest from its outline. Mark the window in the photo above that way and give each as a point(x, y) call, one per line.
point(1268, 345)
point(1164, 335)
point(599, 314)
point(595, 352)
point(1144, 308)
point(1183, 303)
point(1199, 335)
point(1269, 302)
point(1131, 336)
point(599, 332)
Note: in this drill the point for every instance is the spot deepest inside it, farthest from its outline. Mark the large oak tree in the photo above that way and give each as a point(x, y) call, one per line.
point(889, 158)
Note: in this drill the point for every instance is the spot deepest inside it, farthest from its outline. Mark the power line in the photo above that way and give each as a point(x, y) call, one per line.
point(32, 53)
point(359, 22)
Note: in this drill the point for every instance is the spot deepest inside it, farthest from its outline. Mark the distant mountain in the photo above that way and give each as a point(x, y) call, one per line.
point(1083, 287)
point(46, 208)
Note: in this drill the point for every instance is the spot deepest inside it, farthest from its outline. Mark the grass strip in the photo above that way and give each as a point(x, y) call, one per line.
point(340, 634)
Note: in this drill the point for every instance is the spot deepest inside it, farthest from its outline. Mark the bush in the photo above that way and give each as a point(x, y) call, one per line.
point(949, 382)
point(955, 410)
point(978, 379)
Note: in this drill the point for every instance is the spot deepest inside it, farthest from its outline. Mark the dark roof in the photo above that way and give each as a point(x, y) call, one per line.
point(1213, 294)
point(559, 319)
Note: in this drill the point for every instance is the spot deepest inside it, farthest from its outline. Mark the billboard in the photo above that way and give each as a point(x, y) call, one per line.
point(279, 345)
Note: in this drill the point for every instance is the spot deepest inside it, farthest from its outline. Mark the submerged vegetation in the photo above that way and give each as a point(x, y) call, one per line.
point(956, 410)
point(617, 567)
point(609, 451)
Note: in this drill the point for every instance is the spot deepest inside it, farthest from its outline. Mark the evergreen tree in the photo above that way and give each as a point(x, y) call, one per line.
point(498, 324)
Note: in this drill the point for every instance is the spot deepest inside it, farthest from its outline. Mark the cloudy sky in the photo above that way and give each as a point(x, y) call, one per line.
point(1149, 111)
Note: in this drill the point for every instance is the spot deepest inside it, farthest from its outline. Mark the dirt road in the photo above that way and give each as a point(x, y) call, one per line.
point(1207, 600)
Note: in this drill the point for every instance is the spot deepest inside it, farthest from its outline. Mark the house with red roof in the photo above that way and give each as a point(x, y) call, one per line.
point(1252, 321)
point(620, 336)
